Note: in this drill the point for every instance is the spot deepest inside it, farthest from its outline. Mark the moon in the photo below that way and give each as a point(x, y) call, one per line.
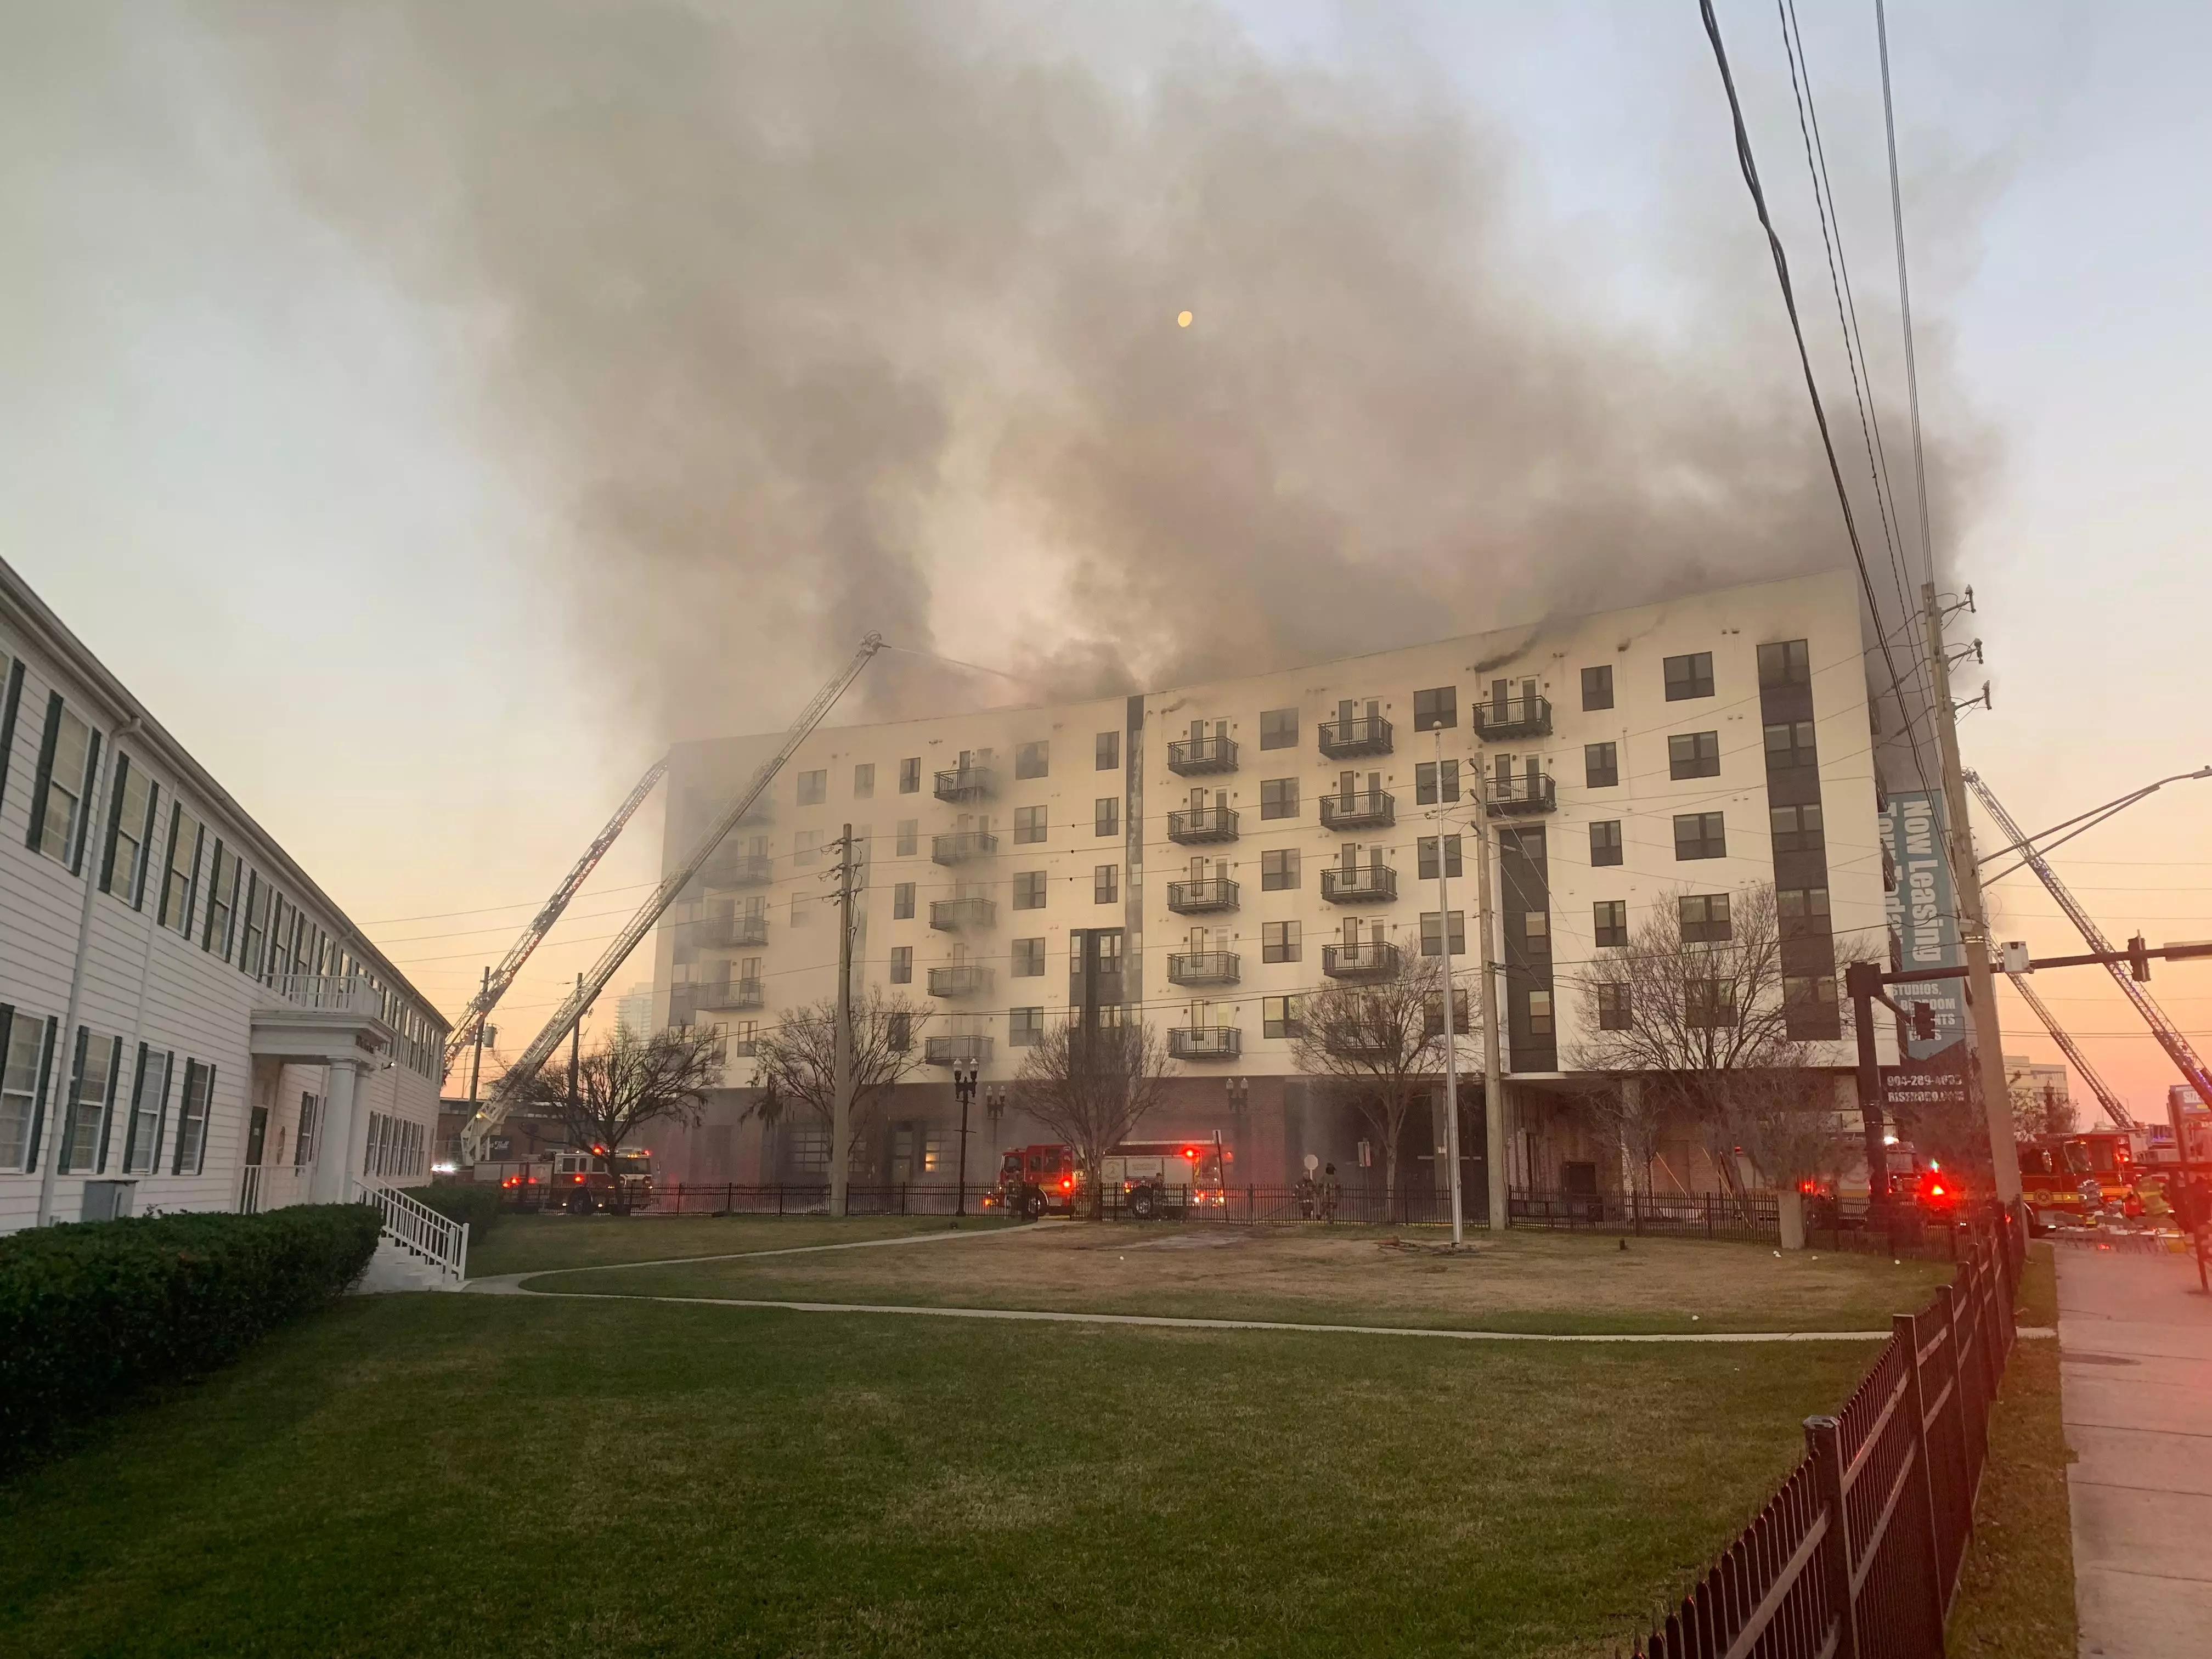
point(1183, 320)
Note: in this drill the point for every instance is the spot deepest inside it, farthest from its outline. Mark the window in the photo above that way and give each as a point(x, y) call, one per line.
point(1597, 686)
point(1536, 931)
point(304, 1139)
point(901, 965)
point(1106, 815)
point(902, 902)
point(1279, 728)
point(1700, 835)
point(1024, 1027)
point(1789, 744)
point(23, 1047)
point(192, 1118)
point(1809, 999)
point(177, 886)
point(1706, 918)
point(1033, 760)
point(806, 847)
point(1278, 941)
point(1612, 1006)
point(1609, 922)
point(1278, 869)
point(1029, 825)
point(1106, 883)
point(1433, 934)
point(1434, 781)
point(1279, 1016)
point(67, 757)
point(1425, 852)
point(1788, 663)
point(1709, 1004)
point(813, 787)
point(1028, 889)
point(1106, 752)
point(91, 1097)
point(130, 833)
point(253, 947)
point(1435, 709)
point(909, 835)
point(1690, 677)
point(1540, 1013)
point(800, 912)
point(1693, 755)
point(910, 774)
point(1796, 829)
point(223, 901)
point(1029, 958)
point(1605, 841)
point(864, 781)
point(1278, 798)
point(898, 1034)
point(1600, 765)
point(1802, 910)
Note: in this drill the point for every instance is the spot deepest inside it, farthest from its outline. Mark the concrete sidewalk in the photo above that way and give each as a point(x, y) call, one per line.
point(2134, 1338)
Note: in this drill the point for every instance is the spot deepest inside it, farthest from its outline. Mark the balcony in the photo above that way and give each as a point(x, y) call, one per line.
point(1360, 809)
point(1514, 717)
point(955, 1050)
point(1364, 734)
point(955, 916)
point(1518, 796)
point(1202, 967)
point(734, 932)
point(1191, 898)
point(1205, 1041)
point(961, 979)
point(1197, 824)
point(1365, 884)
point(961, 846)
point(1191, 757)
point(973, 782)
point(1371, 959)
point(727, 869)
point(720, 994)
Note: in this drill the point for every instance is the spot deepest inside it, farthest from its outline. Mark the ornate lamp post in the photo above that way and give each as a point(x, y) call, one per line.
point(963, 1085)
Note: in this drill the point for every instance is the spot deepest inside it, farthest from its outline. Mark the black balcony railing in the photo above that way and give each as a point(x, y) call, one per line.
point(955, 1050)
point(1365, 884)
point(1202, 967)
point(961, 979)
point(739, 869)
point(1518, 796)
point(953, 915)
point(1192, 897)
point(1205, 1041)
point(1371, 958)
point(1193, 756)
point(961, 845)
point(1364, 734)
point(734, 932)
point(1202, 824)
point(959, 783)
point(1358, 809)
point(1513, 717)
point(721, 993)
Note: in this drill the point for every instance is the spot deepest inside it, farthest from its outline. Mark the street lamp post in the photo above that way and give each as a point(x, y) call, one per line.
point(963, 1085)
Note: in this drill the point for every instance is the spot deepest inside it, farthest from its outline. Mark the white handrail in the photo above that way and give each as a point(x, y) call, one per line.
point(414, 1226)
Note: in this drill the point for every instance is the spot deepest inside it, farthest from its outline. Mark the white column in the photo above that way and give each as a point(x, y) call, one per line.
point(342, 1136)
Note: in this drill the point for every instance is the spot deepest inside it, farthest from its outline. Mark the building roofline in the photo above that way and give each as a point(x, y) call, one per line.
point(28, 611)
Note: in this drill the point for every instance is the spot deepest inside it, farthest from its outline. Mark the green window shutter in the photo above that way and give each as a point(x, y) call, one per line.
point(7, 722)
point(86, 807)
point(67, 1114)
point(107, 1107)
point(115, 787)
point(38, 1104)
point(46, 772)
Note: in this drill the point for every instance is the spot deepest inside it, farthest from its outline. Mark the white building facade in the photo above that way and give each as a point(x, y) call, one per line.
point(187, 1021)
point(1212, 853)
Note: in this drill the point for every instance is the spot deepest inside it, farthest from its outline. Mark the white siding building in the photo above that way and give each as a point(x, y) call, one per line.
point(1215, 852)
point(187, 1021)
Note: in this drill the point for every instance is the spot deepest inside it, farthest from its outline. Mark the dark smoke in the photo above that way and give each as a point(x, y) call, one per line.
point(818, 318)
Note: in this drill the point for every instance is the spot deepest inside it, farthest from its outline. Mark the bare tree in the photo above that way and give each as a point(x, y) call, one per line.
point(1633, 1118)
point(628, 1082)
point(1783, 1122)
point(797, 1060)
point(1091, 1088)
point(1380, 1046)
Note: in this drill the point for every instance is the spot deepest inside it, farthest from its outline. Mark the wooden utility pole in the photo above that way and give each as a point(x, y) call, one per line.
point(841, 1113)
point(476, 1064)
point(1493, 1071)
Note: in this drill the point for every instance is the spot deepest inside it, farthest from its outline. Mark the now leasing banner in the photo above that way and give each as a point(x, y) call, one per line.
point(1923, 919)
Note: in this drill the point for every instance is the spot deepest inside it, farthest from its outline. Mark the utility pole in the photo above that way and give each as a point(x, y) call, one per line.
point(1451, 1022)
point(476, 1065)
point(1493, 1073)
point(840, 1115)
point(1973, 919)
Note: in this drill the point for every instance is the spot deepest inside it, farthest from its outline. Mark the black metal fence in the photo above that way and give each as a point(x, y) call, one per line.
point(1858, 1555)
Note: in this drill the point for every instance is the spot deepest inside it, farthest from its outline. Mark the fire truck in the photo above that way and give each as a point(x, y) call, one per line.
point(580, 1183)
point(1034, 1182)
point(2059, 1174)
point(1146, 1178)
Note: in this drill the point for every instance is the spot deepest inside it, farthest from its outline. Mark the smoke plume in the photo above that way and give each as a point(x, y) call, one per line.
point(817, 317)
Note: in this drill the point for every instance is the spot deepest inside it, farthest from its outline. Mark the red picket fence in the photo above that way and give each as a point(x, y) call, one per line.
point(1858, 1557)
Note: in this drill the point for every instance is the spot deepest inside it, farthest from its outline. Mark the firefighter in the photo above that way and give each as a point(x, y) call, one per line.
point(1332, 1193)
point(1304, 1190)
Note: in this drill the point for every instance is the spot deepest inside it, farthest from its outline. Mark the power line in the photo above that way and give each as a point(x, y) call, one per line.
point(1904, 287)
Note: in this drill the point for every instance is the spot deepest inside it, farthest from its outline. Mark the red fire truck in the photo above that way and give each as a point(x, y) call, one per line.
point(581, 1183)
point(2078, 1175)
point(1034, 1182)
point(1143, 1178)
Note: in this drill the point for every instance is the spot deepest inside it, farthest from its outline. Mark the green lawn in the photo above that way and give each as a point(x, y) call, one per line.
point(521, 1244)
point(461, 1475)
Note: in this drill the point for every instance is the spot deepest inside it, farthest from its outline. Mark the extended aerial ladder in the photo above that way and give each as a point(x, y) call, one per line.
point(476, 1132)
point(496, 987)
point(2113, 1107)
point(2168, 1035)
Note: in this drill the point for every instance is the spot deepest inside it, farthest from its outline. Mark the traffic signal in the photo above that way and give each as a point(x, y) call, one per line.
point(2139, 960)
point(1924, 1021)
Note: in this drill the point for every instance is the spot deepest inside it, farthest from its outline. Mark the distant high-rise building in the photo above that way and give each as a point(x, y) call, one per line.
point(633, 1012)
point(2042, 1101)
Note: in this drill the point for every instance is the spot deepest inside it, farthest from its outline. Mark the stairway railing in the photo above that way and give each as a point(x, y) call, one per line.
point(416, 1228)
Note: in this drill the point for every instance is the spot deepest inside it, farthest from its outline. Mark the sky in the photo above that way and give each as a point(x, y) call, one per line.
point(279, 438)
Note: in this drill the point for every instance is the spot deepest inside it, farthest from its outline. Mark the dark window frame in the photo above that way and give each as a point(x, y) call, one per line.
point(1600, 766)
point(1693, 755)
point(1279, 728)
point(1607, 850)
point(1609, 922)
point(1436, 708)
point(1693, 680)
point(1597, 687)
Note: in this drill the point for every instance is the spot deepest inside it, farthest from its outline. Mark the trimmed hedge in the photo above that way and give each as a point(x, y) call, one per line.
point(93, 1313)
point(461, 1200)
